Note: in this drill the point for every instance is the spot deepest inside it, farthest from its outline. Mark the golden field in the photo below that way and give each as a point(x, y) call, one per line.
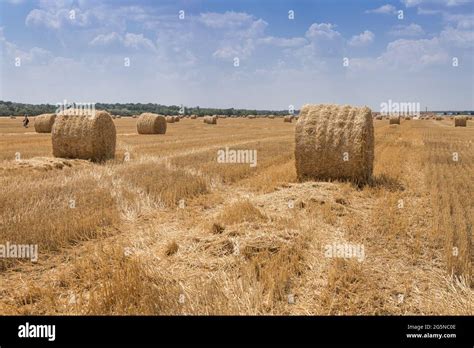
point(166, 229)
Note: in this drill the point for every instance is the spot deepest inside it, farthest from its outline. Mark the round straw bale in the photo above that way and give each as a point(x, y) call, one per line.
point(460, 121)
point(378, 117)
point(407, 118)
point(394, 119)
point(193, 117)
point(90, 137)
point(288, 119)
point(44, 123)
point(169, 119)
point(334, 142)
point(271, 116)
point(13, 117)
point(176, 118)
point(149, 123)
point(438, 118)
point(210, 119)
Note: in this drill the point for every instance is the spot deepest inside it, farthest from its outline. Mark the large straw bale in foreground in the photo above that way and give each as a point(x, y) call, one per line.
point(84, 136)
point(210, 119)
point(334, 142)
point(460, 121)
point(149, 123)
point(44, 123)
point(394, 119)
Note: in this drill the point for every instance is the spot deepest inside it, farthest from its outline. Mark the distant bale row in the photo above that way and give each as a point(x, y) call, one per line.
point(149, 123)
point(460, 121)
point(44, 123)
point(210, 119)
point(91, 137)
point(334, 142)
point(394, 119)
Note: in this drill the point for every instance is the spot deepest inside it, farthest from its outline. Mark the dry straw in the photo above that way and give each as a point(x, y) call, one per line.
point(394, 119)
point(271, 116)
point(288, 119)
point(149, 123)
point(176, 118)
point(460, 121)
point(169, 119)
point(44, 123)
point(334, 142)
point(13, 117)
point(438, 118)
point(90, 137)
point(193, 117)
point(210, 119)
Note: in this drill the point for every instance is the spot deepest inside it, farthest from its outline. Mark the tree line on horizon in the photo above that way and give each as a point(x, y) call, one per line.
point(8, 108)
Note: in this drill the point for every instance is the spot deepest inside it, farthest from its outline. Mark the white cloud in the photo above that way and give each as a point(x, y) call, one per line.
point(130, 40)
point(106, 39)
point(407, 30)
point(462, 21)
point(35, 55)
point(282, 42)
point(411, 3)
point(384, 9)
point(448, 3)
point(229, 19)
point(363, 39)
point(458, 38)
point(58, 18)
point(414, 54)
point(323, 31)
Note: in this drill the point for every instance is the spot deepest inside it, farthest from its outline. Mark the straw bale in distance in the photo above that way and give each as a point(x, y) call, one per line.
point(210, 119)
point(334, 142)
point(288, 119)
point(460, 121)
point(44, 123)
point(193, 117)
point(176, 118)
point(90, 137)
point(394, 119)
point(149, 123)
point(169, 119)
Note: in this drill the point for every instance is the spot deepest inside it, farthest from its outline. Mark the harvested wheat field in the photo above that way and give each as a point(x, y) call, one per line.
point(165, 228)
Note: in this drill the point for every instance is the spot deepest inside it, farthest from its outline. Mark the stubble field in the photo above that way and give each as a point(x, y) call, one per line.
point(165, 229)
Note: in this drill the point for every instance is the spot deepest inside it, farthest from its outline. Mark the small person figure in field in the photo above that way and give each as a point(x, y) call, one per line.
point(26, 121)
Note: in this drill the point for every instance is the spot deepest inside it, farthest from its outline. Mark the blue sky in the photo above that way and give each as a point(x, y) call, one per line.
point(76, 50)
